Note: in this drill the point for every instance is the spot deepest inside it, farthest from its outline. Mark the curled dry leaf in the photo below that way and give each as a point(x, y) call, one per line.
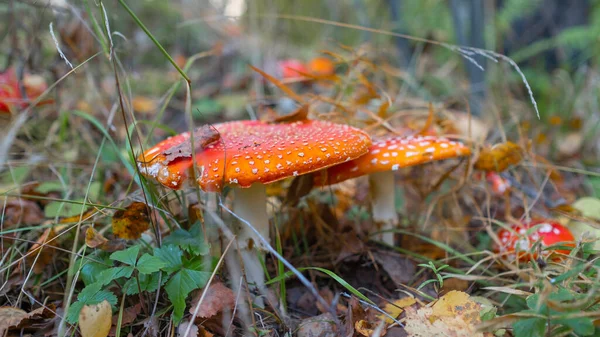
point(499, 157)
point(132, 222)
point(95, 320)
point(16, 318)
point(10, 317)
point(218, 298)
point(94, 239)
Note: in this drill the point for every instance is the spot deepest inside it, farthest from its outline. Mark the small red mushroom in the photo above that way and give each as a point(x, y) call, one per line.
point(10, 93)
point(517, 241)
point(292, 69)
point(248, 155)
point(386, 156)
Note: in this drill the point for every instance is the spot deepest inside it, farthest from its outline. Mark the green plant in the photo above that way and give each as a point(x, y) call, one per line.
point(179, 266)
point(436, 271)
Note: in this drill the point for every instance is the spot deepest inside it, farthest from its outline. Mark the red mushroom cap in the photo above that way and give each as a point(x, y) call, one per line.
point(255, 151)
point(390, 154)
point(520, 238)
point(292, 68)
point(10, 94)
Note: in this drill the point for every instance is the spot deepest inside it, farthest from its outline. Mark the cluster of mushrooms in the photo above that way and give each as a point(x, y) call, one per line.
point(247, 155)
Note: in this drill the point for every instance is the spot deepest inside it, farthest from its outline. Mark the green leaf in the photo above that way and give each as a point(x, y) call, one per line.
point(582, 326)
point(530, 327)
point(149, 264)
point(108, 275)
point(91, 270)
point(179, 287)
point(192, 241)
point(127, 256)
point(92, 294)
point(63, 209)
point(171, 255)
point(147, 283)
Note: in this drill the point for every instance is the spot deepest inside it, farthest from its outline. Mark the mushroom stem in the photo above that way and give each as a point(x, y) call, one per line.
point(383, 204)
point(250, 205)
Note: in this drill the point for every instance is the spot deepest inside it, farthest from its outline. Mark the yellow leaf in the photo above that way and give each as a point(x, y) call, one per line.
point(396, 308)
point(453, 315)
point(95, 320)
point(132, 222)
point(499, 157)
point(93, 238)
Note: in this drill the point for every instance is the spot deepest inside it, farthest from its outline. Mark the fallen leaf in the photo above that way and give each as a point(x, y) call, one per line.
point(590, 208)
point(19, 211)
point(41, 252)
point(396, 308)
point(132, 222)
point(10, 317)
point(318, 326)
point(16, 318)
point(399, 268)
point(218, 298)
point(300, 114)
point(499, 157)
point(129, 315)
point(203, 136)
point(367, 329)
point(453, 315)
point(93, 238)
point(95, 320)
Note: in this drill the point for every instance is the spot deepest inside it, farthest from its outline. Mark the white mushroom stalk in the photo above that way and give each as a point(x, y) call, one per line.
point(383, 206)
point(250, 205)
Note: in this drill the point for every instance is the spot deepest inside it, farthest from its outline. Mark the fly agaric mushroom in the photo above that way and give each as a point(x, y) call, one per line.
point(10, 94)
point(292, 69)
point(248, 155)
point(386, 156)
point(518, 241)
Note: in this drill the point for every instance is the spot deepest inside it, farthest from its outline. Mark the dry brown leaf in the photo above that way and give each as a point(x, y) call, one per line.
point(132, 222)
point(218, 298)
point(10, 317)
point(94, 239)
point(300, 114)
point(499, 157)
point(20, 211)
point(18, 319)
point(42, 252)
point(399, 268)
point(203, 136)
point(95, 320)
